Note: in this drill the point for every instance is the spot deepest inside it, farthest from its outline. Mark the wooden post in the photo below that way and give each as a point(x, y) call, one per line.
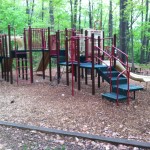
point(78, 58)
point(58, 56)
point(11, 70)
point(113, 50)
point(99, 45)
point(49, 48)
point(86, 54)
point(66, 47)
point(30, 54)
point(43, 50)
point(26, 57)
point(92, 70)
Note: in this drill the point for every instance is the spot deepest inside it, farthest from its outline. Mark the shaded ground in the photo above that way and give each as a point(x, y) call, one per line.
point(42, 104)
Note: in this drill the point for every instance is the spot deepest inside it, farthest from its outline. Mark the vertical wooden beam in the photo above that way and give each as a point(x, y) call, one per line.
point(43, 50)
point(11, 69)
point(66, 54)
point(58, 55)
point(92, 70)
point(26, 57)
point(49, 48)
point(113, 50)
point(30, 54)
point(78, 58)
point(7, 58)
point(99, 55)
point(86, 54)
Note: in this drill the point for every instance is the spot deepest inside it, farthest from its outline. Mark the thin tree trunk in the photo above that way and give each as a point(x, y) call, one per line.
point(144, 38)
point(51, 14)
point(71, 13)
point(28, 11)
point(75, 14)
point(131, 37)
point(148, 31)
point(148, 43)
point(90, 15)
point(123, 28)
point(32, 10)
point(80, 14)
point(110, 19)
point(101, 15)
point(42, 10)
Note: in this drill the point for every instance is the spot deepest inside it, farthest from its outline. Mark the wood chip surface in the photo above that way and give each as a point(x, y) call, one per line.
point(47, 104)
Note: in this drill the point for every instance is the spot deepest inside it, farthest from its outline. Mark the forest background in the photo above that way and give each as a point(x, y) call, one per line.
point(128, 19)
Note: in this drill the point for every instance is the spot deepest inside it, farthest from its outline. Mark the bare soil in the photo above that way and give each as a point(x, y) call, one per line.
point(47, 104)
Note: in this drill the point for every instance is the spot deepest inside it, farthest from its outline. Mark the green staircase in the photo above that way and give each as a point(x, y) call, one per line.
point(118, 92)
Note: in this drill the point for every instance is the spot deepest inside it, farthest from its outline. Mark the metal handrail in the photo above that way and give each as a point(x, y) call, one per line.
point(123, 72)
point(109, 67)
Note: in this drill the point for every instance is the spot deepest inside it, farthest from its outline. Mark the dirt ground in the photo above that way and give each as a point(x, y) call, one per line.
point(50, 105)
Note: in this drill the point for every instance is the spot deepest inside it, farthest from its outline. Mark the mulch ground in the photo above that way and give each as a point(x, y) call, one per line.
point(50, 105)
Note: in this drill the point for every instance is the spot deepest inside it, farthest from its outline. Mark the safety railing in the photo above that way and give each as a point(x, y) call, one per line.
point(126, 71)
point(109, 67)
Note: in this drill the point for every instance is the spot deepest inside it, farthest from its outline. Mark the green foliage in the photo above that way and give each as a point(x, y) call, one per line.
point(14, 13)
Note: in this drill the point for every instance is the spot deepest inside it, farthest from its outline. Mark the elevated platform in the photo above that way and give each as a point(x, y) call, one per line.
point(89, 66)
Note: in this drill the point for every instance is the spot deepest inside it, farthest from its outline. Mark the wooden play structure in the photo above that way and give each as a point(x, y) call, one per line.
point(82, 51)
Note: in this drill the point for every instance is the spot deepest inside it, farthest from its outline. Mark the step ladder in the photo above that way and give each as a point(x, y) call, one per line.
point(22, 68)
point(120, 92)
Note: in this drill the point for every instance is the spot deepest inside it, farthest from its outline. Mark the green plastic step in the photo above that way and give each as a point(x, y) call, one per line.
point(132, 87)
point(113, 73)
point(122, 80)
point(96, 66)
point(113, 96)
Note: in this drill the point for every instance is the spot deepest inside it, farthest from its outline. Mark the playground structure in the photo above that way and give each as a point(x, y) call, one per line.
point(81, 50)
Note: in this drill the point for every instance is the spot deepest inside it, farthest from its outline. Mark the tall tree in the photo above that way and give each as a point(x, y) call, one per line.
point(145, 38)
point(90, 15)
point(148, 43)
point(123, 28)
point(131, 36)
point(42, 10)
point(75, 14)
point(110, 24)
point(51, 14)
point(73, 6)
point(80, 14)
point(29, 10)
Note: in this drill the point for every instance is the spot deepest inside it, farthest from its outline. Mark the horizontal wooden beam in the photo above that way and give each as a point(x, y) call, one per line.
point(80, 135)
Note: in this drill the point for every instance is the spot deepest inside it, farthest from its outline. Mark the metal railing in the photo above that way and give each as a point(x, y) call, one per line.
point(126, 72)
point(109, 67)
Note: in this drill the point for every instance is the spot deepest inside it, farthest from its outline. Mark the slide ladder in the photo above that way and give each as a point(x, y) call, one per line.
point(118, 92)
point(119, 81)
point(22, 68)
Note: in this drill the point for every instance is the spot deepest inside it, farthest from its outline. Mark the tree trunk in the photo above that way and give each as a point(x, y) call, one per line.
point(51, 14)
point(148, 47)
point(101, 15)
point(148, 31)
point(110, 24)
point(131, 37)
point(75, 14)
point(71, 13)
point(32, 10)
point(123, 28)
point(29, 11)
point(90, 15)
point(42, 10)
point(144, 38)
point(80, 14)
